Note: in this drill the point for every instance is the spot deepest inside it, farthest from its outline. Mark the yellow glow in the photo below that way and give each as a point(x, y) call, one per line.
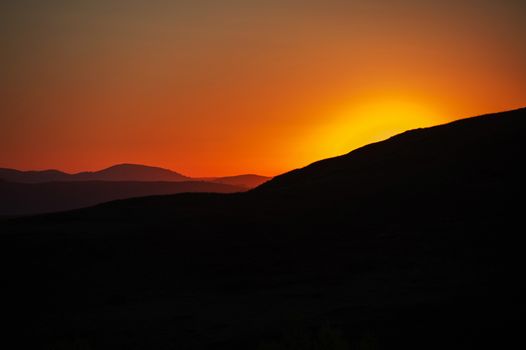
point(371, 122)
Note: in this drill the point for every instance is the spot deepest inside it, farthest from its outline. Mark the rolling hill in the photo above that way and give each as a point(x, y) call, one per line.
point(36, 198)
point(125, 172)
point(35, 192)
point(119, 172)
point(409, 243)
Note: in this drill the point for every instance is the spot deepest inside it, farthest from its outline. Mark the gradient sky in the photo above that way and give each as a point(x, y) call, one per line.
point(226, 87)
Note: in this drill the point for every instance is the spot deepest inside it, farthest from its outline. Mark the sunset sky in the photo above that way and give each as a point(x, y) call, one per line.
point(211, 87)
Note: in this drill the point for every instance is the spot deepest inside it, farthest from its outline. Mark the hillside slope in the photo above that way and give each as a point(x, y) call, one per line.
point(409, 243)
point(36, 198)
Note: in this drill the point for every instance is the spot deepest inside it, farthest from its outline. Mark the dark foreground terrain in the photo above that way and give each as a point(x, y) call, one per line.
point(411, 243)
point(36, 198)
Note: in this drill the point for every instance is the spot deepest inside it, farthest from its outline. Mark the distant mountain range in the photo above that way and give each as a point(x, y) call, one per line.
point(32, 192)
point(410, 243)
point(124, 172)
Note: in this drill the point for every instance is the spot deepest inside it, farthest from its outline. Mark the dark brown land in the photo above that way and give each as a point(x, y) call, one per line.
point(410, 243)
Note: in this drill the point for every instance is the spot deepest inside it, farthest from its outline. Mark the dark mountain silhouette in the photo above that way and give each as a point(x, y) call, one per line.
point(410, 243)
point(12, 175)
point(131, 172)
point(33, 198)
point(125, 172)
point(120, 172)
point(33, 192)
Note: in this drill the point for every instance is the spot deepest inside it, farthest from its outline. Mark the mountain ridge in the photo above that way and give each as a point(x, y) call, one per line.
point(117, 172)
point(124, 172)
point(338, 163)
point(56, 196)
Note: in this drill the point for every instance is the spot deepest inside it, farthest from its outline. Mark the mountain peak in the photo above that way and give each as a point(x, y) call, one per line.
point(133, 166)
point(132, 172)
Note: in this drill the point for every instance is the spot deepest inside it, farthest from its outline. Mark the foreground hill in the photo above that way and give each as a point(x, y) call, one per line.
point(409, 243)
point(24, 198)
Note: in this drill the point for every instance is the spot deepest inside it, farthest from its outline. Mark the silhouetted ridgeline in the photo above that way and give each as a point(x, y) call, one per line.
point(125, 172)
point(120, 172)
point(35, 198)
point(34, 192)
point(410, 243)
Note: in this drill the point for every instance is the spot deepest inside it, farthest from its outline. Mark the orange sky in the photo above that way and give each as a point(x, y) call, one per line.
point(227, 87)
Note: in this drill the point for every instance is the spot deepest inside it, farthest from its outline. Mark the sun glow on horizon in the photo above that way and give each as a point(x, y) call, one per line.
point(218, 88)
point(371, 121)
